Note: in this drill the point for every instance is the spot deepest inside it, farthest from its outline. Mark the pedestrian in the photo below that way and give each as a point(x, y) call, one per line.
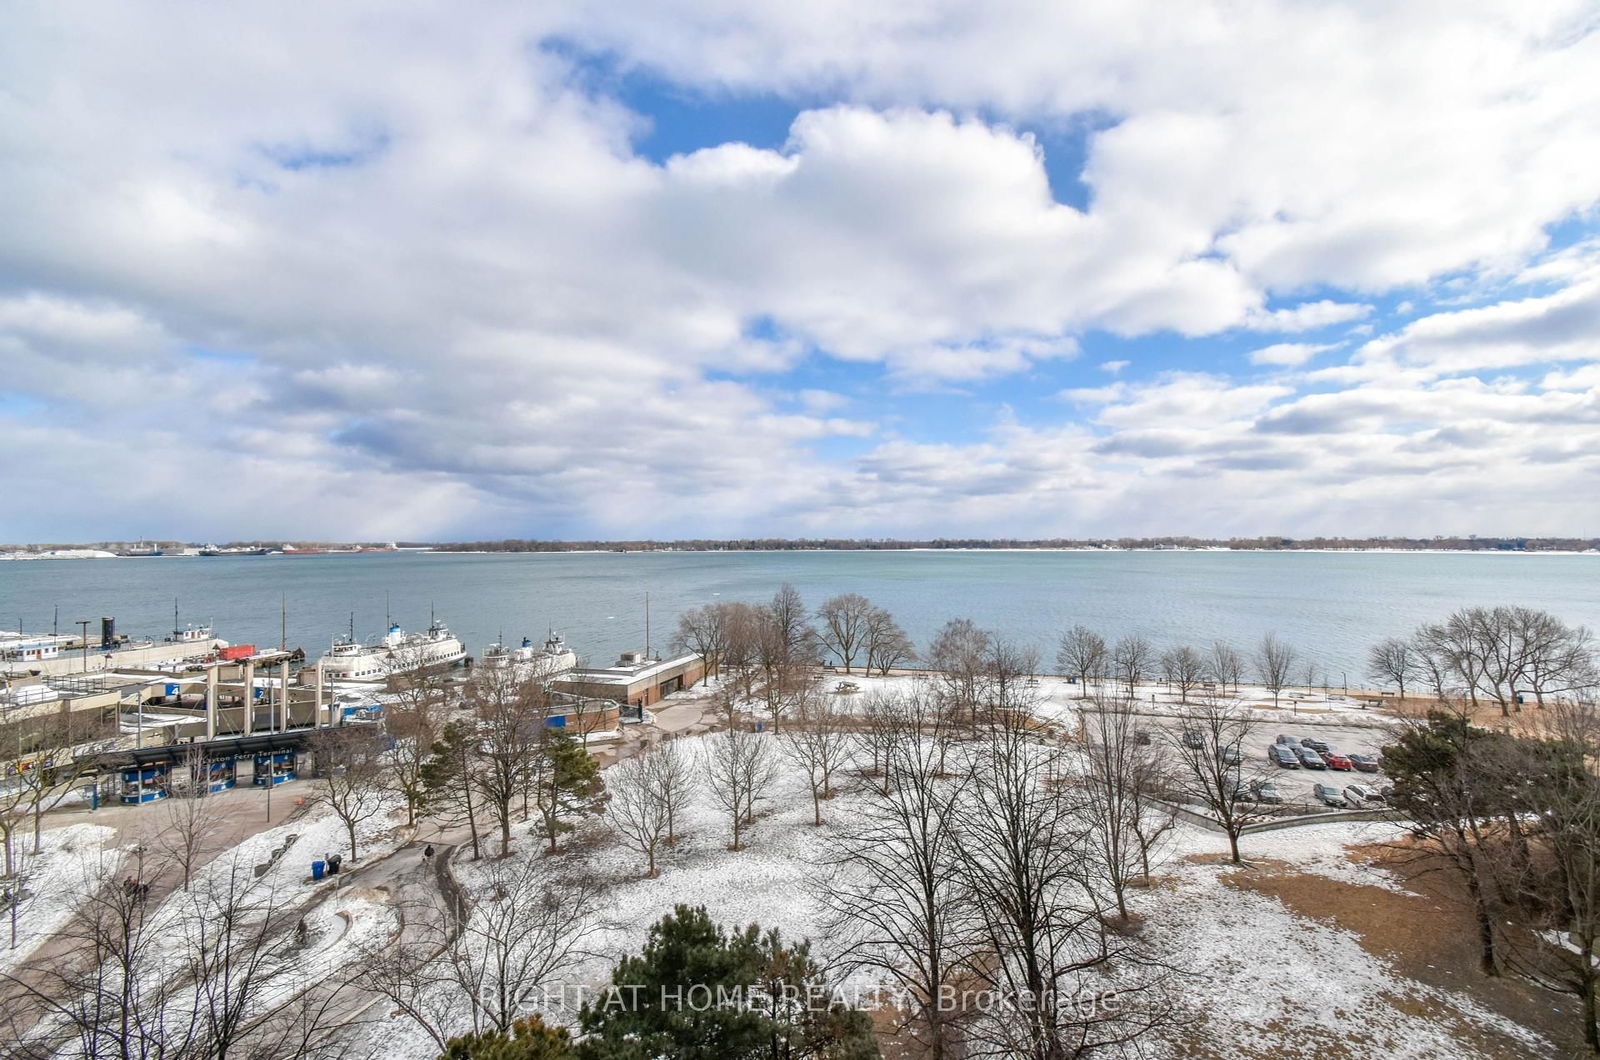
point(427, 851)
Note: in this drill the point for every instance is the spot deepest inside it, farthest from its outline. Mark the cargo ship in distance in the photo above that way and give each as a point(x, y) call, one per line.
point(398, 652)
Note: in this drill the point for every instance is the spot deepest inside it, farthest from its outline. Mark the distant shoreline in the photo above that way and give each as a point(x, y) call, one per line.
point(22, 555)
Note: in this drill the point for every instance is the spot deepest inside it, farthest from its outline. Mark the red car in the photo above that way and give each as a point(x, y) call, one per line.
point(1336, 760)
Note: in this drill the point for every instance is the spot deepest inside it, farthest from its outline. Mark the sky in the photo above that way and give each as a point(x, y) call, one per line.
point(370, 271)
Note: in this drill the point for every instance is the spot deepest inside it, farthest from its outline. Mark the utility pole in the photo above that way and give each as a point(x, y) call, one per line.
point(647, 654)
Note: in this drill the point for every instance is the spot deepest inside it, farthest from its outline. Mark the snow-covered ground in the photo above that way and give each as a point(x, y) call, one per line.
point(1259, 965)
point(72, 860)
point(1268, 980)
point(1272, 983)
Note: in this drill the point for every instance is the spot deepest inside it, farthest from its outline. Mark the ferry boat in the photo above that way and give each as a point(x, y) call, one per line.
point(189, 633)
point(554, 657)
point(397, 652)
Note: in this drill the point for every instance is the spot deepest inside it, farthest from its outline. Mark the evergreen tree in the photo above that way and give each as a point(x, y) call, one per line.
point(447, 779)
point(567, 779)
point(698, 992)
point(529, 1039)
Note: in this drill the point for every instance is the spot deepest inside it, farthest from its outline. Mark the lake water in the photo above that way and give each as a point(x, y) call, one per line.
point(1331, 606)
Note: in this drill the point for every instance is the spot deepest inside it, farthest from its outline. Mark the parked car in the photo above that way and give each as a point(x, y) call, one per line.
point(1361, 795)
point(1310, 759)
point(1328, 795)
point(1290, 740)
point(1192, 738)
point(1230, 756)
point(1141, 736)
point(1336, 760)
point(1315, 744)
point(1283, 756)
point(1364, 763)
point(1266, 791)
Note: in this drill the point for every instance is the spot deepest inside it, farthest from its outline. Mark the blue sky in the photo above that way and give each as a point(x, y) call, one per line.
point(892, 272)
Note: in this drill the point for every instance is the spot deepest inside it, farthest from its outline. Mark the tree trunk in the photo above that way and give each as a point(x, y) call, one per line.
point(1591, 1018)
point(472, 822)
point(1480, 908)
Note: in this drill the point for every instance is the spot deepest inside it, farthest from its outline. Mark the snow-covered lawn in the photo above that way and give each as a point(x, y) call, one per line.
point(1265, 975)
point(56, 879)
point(1272, 983)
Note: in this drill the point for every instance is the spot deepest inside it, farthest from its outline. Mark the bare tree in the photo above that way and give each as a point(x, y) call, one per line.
point(213, 973)
point(189, 830)
point(419, 703)
point(1498, 653)
point(1121, 776)
point(1394, 661)
point(510, 712)
point(636, 808)
point(1010, 681)
point(1132, 658)
point(673, 776)
point(53, 752)
point(1082, 654)
point(106, 985)
point(1183, 669)
point(1210, 753)
point(792, 623)
point(893, 888)
point(1225, 666)
point(887, 645)
point(1027, 859)
point(703, 630)
point(818, 744)
point(959, 657)
point(1274, 661)
point(744, 629)
point(740, 770)
point(530, 931)
point(845, 621)
point(354, 780)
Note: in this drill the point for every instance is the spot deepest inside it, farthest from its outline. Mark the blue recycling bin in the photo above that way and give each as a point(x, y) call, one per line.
point(317, 868)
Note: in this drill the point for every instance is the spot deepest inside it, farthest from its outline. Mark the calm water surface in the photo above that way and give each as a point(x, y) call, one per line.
point(1330, 605)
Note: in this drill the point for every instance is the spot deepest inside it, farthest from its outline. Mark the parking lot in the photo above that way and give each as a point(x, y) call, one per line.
point(1295, 784)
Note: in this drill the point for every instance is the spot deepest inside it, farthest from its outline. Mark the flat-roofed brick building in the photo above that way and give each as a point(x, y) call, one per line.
point(635, 681)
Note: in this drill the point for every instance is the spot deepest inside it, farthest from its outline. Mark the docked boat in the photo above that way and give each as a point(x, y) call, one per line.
point(398, 652)
point(554, 657)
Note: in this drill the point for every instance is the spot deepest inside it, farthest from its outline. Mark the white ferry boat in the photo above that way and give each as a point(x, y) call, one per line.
point(397, 652)
point(554, 657)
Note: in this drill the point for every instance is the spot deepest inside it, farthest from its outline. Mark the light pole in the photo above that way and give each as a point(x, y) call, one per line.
point(83, 641)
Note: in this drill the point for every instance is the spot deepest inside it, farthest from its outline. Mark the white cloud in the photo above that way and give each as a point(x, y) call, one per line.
point(1308, 316)
point(1287, 354)
point(1563, 326)
point(455, 300)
